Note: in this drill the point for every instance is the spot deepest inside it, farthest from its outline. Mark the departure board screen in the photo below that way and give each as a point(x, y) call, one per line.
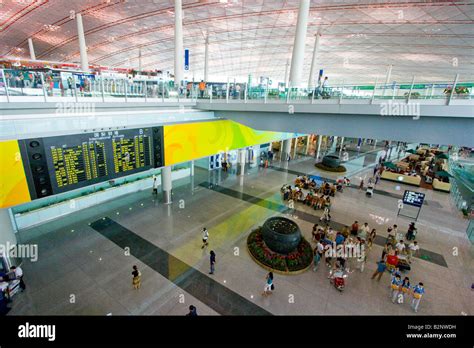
point(79, 160)
point(131, 151)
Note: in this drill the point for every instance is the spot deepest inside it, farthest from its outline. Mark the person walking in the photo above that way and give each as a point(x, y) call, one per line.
point(396, 287)
point(269, 287)
point(371, 239)
point(202, 88)
point(397, 234)
point(411, 231)
point(19, 276)
point(400, 246)
point(205, 237)
point(386, 249)
point(362, 259)
point(405, 287)
point(412, 250)
point(4, 309)
point(361, 185)
point(364, 231)
point(192, 311)
point(155, 185)
point(318, 254)
point(377, 177)
point(137, 278)
point(418, 292)
point(381, 267)
point(212, 259)
point(355, 228)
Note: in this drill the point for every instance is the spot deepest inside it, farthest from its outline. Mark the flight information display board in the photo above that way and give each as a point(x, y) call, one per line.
point(413, 198)
point(62, 163)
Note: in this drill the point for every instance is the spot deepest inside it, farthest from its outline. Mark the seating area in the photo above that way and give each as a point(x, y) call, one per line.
point(307, 191)
point(427, 167)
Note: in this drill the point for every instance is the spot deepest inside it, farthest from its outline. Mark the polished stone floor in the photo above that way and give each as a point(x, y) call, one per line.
point(85, 261)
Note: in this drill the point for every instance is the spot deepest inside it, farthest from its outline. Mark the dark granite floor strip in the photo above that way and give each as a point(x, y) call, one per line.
point(424, 254)
point(220, 298)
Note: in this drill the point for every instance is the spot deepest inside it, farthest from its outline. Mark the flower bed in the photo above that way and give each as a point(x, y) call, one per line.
point(296, 261)
point(339, 169)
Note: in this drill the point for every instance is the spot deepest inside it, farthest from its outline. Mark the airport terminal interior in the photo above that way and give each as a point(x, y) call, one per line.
point(236, 157)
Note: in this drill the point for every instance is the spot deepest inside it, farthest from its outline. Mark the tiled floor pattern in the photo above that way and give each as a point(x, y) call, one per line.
point(77, 260)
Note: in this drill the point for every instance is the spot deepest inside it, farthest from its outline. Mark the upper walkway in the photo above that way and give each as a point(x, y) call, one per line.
point(413, 112)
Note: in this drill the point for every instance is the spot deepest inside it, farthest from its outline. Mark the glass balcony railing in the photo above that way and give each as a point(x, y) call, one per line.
point(24, 85)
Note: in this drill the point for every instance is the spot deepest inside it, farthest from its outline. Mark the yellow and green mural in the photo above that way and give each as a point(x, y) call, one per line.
point(13, 185)
point(188, 141)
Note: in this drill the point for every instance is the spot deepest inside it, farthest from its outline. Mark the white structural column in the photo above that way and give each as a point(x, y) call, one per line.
point(340, 147)
point(7, 234)
point(308, 139)
point(295, 148)
point(297, 58)
point(242, 157)
point(178, 43)
point(312, 71)
point(32, 49)
point(387, 79)
point(287, 71)
point(82, 43)
point(318, 148)
point(286, 149)
point(166, 184)
point(140, 60)
point(206, 59)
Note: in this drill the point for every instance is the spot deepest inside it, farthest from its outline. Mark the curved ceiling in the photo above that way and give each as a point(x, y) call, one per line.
point(431, 40)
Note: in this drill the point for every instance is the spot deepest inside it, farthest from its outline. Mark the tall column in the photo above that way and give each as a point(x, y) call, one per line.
point(286, 149)
point(297, 58)
point(295, 148)
point(287, 70)
point(206, 59)
point(318, 147)
point(312, 71)
point(242, 157)
point(387, 79)
point(334, 144)
point(32, 49)
point(82, 43)
point(191, 168)
point(342, 144)
point(281, 150)
point(7, 234)
point(308, 139)
point(166, 184)
point(178, 43)
point(139, 59)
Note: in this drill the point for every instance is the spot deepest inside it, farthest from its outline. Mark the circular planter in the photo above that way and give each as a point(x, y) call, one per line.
point(338, 169)
point(331, 161)
point(296, 262)
point(281, 234)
